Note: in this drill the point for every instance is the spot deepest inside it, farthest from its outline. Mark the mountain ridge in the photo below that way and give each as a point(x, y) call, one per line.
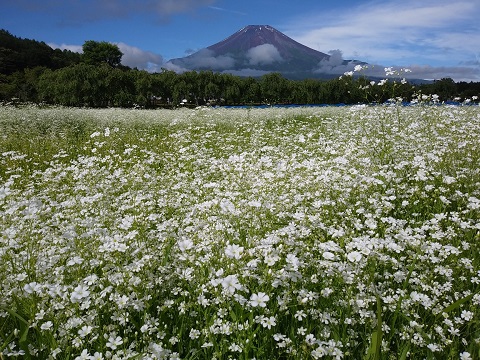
point(258, 35)
point(260, 49)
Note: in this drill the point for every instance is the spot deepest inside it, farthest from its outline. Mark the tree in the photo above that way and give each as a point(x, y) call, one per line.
point(25, 83)
point(95, 53)
point(275, 88)
point(252, 91)
point(17, 54)
point(445, 88)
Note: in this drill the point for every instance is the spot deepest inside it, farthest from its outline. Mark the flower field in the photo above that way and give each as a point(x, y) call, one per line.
point(305, 233)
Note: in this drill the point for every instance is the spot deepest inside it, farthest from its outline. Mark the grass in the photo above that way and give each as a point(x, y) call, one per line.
point(348, 233)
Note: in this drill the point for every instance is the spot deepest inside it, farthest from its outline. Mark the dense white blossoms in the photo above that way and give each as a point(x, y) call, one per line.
point(240, 233)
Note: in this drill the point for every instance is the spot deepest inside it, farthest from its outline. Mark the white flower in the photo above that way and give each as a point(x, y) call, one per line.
point(354, 256)
point(465, 356)
point(255, 203)
point(234, 251)
point(46, 325)
point(301, 331)
point(318, 353)
point(293, 260)
point(235, 348)
point(358, 68)
point(389, 71)
point(185, 244)
point(449, 180)
point(310, 339)
point(240, 299)
point(300, 315)
point(268, 322)
point(96, 356)
point(474, 203)
point(80, 292)
point(259, 299)
point(122, 301)
point(85, 330)
point(55, 352)
point(467, 315)
point(4, 191)
point(113, 342)
point(231, 283)
point(227, 206)
point(95, 134)
point(32, 287)
point(194, 334)
point(327, 255)
point(84, 355)
point(271, 259)
point(74, 260)
point(433, 347)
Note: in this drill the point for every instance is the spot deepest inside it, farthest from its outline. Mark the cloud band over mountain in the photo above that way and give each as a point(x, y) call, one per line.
point(132, 56)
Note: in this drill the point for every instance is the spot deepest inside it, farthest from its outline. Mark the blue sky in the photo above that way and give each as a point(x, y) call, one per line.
point(434, 38)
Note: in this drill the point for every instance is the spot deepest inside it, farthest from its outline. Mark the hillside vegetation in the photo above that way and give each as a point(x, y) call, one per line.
point(31, 71)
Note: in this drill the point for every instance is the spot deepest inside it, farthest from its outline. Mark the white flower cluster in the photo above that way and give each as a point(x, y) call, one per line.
point(220, 233)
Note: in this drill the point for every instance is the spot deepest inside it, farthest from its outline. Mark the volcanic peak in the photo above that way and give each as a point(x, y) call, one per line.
point(259, 49)
point(252, 36)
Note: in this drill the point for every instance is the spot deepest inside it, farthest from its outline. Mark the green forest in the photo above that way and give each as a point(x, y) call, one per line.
point(31, 71)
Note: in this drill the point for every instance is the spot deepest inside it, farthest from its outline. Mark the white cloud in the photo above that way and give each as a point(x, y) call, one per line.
point(135, 57)
point(458, 73)
point(335, 64)
point(434, 32)
point(74, 48)
point(173, 67)
point(206, 59)
point(216, 8)
point(132, 56)
point(263, 54)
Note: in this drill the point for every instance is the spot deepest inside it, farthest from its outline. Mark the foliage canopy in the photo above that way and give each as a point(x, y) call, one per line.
point(96, 53)
point(31, 71)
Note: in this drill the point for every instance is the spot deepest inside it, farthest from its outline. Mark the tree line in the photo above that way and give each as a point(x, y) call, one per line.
point(96, 78)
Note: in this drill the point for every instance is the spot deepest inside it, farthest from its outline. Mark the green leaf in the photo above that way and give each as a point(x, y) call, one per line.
point(457, 303)
point(14, 314)
point(372, 351)
point(24, 327)
point(375, 349)
point(233, 315)
point(8, 339)
point(405, 351)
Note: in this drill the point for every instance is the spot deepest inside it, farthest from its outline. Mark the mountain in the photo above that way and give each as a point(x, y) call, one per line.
point(259, 49)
